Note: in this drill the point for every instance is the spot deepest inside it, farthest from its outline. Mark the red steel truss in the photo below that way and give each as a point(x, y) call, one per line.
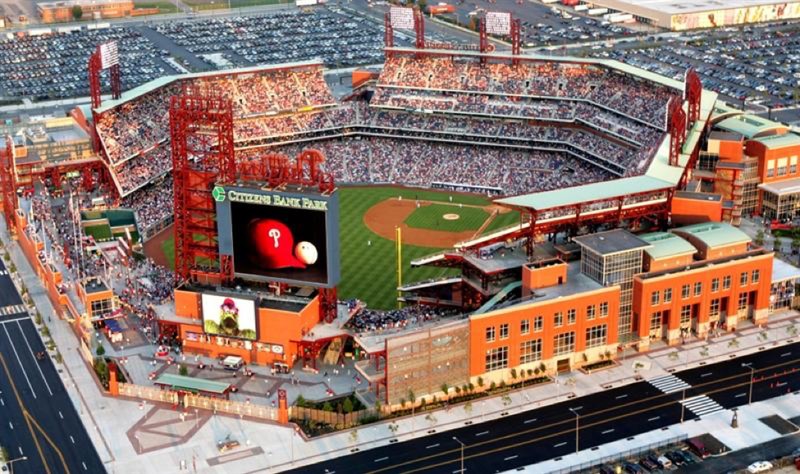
point(677, 130)
point(516, 38)
point(8, 185)
point(388, 31)
point(693, 91)
point(201, 128)
point(483, 39)
point(419, 29)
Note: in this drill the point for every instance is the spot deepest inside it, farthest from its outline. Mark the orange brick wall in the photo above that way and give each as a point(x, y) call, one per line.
point(691, 211)
point(550, 275)
point(766, 155)
point(547, 309)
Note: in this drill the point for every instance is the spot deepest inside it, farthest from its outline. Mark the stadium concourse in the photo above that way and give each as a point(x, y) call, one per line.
point(443, 122)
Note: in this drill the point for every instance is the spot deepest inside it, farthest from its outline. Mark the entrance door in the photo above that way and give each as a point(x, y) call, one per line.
point(563, 366)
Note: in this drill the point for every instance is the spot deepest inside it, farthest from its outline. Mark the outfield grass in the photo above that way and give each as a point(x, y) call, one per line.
point(219, 4)
point(100, 233)
point(430, 217)
point(163, 7)
point(501, 221)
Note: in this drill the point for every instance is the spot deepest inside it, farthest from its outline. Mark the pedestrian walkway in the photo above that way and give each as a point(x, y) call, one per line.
point(669, 383)
point(701, 405)
point(13, 309)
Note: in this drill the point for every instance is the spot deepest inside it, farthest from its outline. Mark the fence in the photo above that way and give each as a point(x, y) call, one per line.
point(148, 393)
point(231, 407)
point(343, 420)
point(150, 232)
point(615, 458)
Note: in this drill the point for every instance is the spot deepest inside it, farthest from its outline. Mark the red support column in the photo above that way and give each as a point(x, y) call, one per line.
point(677, 130)
point(8, 185)
point(516, 39)
point(94, 79)
point(116, 81)
point(483, 39)
point(419, 29)
point(388, 32)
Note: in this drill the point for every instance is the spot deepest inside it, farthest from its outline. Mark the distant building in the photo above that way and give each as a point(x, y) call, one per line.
point(53, 12)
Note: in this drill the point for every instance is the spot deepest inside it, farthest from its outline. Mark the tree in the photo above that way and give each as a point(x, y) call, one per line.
point(77, 12)
point(412, 397)
point(327, 406)
point(102, 350)
point(759, 240)
point(506, 398)
point(3, 454)
point(514, 374)
point(347, 406)
point(445, 388)
point(480, 382)
point(183, 370)
point(431, 419)
point(300, 401)
point(393, 427)
point(422, 4)
point(468, 408)
point(354, 436)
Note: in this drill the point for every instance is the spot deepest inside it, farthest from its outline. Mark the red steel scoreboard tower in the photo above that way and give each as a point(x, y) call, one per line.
point(8, 184)
point(105, 56)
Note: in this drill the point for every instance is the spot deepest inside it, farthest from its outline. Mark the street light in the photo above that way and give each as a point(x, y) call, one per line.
point(462, 452)
point(11, 462)
point(577, 429)
point(683, 404)
point(749, 365)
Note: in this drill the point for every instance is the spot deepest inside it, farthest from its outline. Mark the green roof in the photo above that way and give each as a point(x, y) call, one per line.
point(667, 244)
point(749, 125)
point(723, 111)
point(587, 192)
point(714, 234)
point(773, 142)
point(194, 384)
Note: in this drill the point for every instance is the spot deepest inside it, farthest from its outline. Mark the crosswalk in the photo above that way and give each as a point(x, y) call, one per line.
point(702, 405)
point(669, 383)
point(12, 309)
point(3, 272)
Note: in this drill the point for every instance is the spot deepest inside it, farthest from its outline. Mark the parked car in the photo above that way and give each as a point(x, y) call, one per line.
point(632, 468)
point(676, 458)
point(697, 447)
point(648, 464)
point(759, 466)
point(665, 462)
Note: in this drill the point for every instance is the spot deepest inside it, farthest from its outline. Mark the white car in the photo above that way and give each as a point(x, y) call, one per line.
point(759, 466)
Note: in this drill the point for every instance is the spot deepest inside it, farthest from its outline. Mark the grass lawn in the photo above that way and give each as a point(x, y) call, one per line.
point(369, 272)
point(501, 221)
point(100, 233)
point(163, 7)
point(217, 4)
point(430, 217)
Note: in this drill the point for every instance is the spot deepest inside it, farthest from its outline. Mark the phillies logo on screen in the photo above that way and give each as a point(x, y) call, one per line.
point(274, 248)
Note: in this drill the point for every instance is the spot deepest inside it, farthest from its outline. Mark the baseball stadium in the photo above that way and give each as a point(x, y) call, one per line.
point(461, 214)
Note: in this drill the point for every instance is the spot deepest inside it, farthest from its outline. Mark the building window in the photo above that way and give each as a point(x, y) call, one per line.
point(714, 311)
point(715, 285)
point(685, 291)
point(668, 295)
point(490, 334)
point(538, 323)
point(698, 289)
point(743, 278)
point(686, 314)
point(530, 351)
point(742, 301)
point(564, 343)
point(558, 320)
point(755, 276)
point(726, 282)
point(603, 309)
point(654, 298)
point(655, 320)
point(497, 358)
point(102, 308)
point(596, 336)
point(571, 316)
point(525, 326)
point(504, 331)
point(590, 312)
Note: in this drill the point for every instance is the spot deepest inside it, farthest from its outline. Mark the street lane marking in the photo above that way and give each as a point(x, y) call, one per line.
point(559, 444)
point(382, 459)
point(578, 408)
point(608, 431)
point(84, 466)
point(11, 425)
point(786, 354)
point(511, 457)
point(481, 433)
point(621, 396)
point(432, 446)
point(529, 421)
point(6, 321)
point(35, 362)
point(661, 400)
point(2, 402)
point(705, 374)
point(33, 392)
point(60, 415)
point(653, 418)
point(72, 439)
point(743, 394)
point(20, 451)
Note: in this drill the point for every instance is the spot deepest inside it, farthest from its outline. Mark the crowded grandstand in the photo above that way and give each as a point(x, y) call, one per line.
point(539, 125)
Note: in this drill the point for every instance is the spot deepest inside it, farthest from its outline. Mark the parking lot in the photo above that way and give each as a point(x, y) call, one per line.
point(758, 64)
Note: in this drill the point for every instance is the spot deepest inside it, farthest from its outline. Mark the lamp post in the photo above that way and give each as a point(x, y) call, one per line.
point(577, 429)
point(749, 365)
point(683, 405)
point(462, 453)
point(12, 461)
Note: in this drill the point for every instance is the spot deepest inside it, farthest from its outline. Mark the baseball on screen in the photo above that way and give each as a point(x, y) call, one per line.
point(229, 316)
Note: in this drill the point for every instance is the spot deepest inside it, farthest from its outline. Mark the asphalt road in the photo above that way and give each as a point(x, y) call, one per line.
point(37, 418)
point(549, 432)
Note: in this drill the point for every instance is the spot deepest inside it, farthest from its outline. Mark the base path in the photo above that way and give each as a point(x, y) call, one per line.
point(384, 217)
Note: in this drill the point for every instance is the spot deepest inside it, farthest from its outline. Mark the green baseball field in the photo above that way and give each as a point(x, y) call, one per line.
point(368, 218)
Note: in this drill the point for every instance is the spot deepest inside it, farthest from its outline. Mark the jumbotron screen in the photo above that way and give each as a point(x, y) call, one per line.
point(229, 316)
point(279, 236)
